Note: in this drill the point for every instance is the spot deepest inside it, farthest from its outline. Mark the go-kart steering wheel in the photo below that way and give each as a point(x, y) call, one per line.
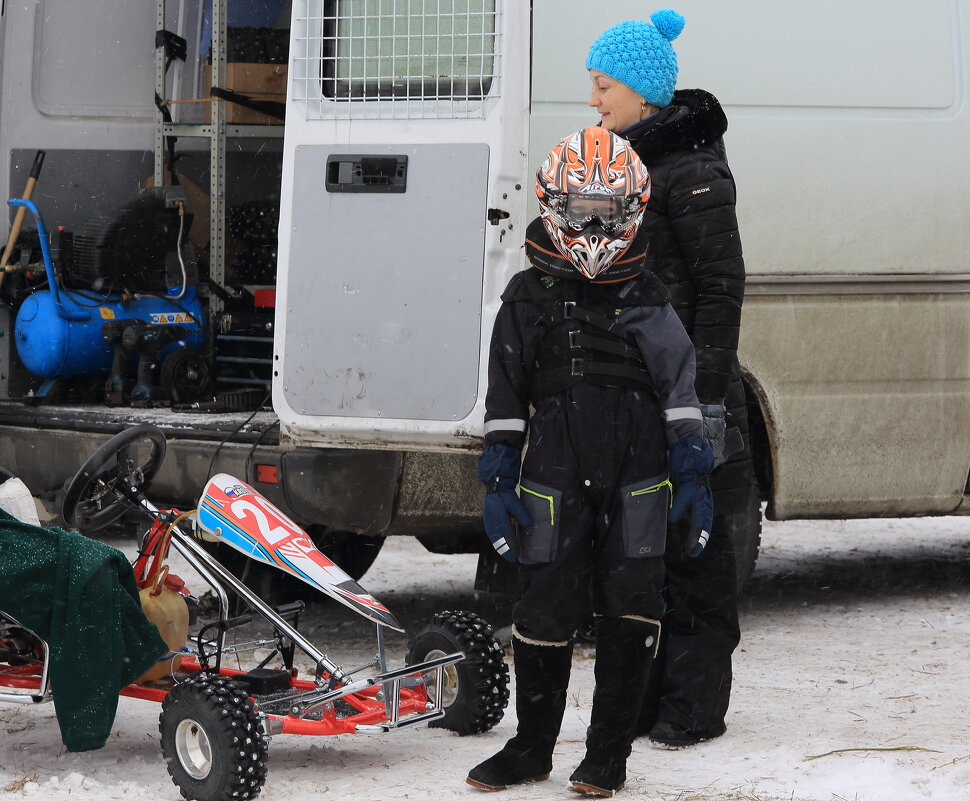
point(108, 484)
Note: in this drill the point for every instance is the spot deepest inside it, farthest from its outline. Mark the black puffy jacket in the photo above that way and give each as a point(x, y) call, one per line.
point(695, 249)
point(694, 246)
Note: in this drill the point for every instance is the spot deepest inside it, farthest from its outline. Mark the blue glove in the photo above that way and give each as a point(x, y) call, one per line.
point(691, 461)
point(498, 470)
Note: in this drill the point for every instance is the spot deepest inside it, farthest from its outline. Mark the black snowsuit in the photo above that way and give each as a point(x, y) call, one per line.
point(594, 477)
point(694, 248)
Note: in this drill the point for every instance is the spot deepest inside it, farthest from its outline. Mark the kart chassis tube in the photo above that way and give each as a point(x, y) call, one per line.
point(25, 676)
point(214, 573)
point(372, 717)
point(380, 700)
point(306, 703)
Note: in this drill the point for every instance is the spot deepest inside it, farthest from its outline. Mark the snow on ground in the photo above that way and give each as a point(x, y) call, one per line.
point(852, 683)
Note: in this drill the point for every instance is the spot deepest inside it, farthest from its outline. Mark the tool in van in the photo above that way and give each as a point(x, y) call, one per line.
point(18, 219)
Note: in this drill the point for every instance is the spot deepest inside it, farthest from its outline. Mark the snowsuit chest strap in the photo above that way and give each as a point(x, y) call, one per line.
point(585, 342)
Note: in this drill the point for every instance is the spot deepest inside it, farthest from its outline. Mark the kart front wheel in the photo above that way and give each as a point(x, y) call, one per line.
point(475, 691)
point(212, 740)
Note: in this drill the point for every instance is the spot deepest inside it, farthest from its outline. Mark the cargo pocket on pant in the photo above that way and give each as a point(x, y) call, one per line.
point(538, 545)
point(645, 507)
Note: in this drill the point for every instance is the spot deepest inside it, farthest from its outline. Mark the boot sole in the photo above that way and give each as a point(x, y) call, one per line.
point(593, 790)
point(494, 788)
point(677, 745)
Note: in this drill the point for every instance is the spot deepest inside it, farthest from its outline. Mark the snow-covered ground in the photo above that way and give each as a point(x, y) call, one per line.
point(852, 683)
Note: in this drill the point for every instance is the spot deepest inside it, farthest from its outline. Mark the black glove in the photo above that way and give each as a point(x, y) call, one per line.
point(691, 462)
point(498, 470)
point(715, 425)
point(725, 441)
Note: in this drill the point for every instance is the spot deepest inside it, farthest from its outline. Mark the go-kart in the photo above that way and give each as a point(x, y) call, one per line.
point(216, 721)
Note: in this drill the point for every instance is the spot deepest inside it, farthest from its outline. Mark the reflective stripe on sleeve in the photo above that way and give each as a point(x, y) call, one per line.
point(504, 425)
point(681, 413)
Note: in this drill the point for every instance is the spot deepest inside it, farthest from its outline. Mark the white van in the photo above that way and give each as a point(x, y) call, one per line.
point(404, 177)
point(412, 141)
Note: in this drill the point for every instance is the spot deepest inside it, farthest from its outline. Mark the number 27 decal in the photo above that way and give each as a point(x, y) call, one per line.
point(273, 534)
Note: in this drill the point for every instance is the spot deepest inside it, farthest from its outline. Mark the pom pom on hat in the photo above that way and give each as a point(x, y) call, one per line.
point(668, 22)
point(639, 55)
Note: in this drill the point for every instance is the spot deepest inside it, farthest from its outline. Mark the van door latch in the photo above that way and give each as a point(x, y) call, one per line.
point(497, 215)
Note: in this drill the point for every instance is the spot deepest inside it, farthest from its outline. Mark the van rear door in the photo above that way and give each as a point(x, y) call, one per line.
point(403, 171)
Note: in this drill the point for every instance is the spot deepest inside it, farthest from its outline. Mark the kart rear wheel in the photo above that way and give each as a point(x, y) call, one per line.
point(474, 692)
point(212, 740)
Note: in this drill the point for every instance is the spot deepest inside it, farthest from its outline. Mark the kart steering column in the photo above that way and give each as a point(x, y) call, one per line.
point(199, 559)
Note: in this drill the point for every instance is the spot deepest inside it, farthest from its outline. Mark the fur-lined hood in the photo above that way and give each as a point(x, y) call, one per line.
point(694, 117)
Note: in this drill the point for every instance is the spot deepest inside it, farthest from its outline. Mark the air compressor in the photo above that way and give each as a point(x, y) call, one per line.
point(61, 333)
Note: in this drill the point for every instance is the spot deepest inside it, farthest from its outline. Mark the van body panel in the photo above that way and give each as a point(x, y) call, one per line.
point(462, 226)
point(849, 159)
point(385, 322)
point(868, 416)
point(120, 86)
point(851, 169)
point(57, 97)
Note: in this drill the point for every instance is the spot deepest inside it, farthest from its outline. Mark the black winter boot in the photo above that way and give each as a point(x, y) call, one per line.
point(541, 679)
point(624, 650)
point(667, 735)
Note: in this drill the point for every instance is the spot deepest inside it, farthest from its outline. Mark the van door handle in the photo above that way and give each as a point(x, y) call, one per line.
point(359, 173)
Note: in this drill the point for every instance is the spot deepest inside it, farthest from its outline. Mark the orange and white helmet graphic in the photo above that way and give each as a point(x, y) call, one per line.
point(592, 190)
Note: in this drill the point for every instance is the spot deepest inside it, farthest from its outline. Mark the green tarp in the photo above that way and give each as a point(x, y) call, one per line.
point(79, 595)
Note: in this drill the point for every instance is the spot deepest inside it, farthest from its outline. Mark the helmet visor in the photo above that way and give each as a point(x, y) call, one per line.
point(582, 209)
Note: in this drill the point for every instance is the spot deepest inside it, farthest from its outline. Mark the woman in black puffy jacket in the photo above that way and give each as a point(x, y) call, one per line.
point(694, 248)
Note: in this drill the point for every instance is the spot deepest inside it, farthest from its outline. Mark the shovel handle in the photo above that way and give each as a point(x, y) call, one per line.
point(18, 219)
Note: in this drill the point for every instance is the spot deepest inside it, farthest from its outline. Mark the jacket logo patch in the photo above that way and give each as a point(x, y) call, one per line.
point(701, 191)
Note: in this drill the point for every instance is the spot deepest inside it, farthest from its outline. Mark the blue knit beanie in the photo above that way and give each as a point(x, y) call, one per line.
point(639, 54)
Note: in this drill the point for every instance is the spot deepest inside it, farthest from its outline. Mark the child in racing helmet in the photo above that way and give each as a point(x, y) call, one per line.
point(587, 338)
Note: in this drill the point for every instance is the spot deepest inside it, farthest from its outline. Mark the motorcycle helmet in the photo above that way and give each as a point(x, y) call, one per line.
point(592, 191)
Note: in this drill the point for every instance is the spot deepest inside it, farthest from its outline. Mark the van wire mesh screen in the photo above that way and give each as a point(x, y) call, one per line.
point(374, 59)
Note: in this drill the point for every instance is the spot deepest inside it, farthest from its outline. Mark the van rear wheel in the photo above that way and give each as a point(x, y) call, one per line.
point(744, 528)
point(352, 553)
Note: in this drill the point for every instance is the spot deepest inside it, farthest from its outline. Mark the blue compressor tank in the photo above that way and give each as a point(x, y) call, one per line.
point(61, 337)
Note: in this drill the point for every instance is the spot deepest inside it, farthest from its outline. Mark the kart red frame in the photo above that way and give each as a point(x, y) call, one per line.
point(454, 676)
